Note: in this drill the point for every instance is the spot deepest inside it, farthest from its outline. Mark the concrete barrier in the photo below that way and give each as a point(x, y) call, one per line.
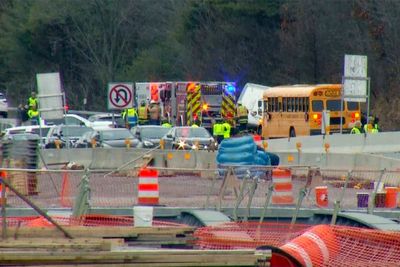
point(383, 142)
point(201, 160)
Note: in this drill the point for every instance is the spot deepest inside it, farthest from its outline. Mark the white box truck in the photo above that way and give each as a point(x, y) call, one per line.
point(252, 98)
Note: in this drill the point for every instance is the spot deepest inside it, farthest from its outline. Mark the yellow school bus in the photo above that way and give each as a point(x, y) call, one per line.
point(297, 110)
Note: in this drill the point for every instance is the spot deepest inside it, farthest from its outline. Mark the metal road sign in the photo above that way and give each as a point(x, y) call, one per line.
point(355, 78)
point(50, 96)
point(120, 95)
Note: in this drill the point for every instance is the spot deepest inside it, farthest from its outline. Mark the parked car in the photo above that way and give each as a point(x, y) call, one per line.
point(3, 106)
point(33, 129)
point(107, 138)
point(109, 118)
point(67, 134)
point(187, 137)
point(149, 135)
point(73, 119)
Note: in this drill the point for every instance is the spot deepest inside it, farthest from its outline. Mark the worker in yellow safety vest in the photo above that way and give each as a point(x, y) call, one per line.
point(130, 117)
point(371, 126)
point(357, 128)
point(143, 113)
point(33, 101)
point(227, 130)
point(165, 123)
point(33, 115)
point(218, 130)
point(196, 122)
point(242, 117)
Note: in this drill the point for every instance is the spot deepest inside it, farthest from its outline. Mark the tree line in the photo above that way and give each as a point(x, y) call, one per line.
point(270, 42)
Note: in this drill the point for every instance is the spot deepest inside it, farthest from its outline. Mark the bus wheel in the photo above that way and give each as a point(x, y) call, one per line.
point(292, 132)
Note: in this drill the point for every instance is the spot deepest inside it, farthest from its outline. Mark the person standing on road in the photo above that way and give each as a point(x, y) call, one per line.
point(155, 113)
point(357, 128)
point(165, 123)
point(227, 130)
point(33, 101)
point(130, 117)
point(242, 117)
point(218, 131)
point(33, 115)
point(23, 114)
point(143, 113)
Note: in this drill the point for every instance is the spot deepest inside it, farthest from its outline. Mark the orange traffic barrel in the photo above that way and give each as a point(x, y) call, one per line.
point(315, 247)
point(321, 196)
point(391, 197)
point(148, 189)
point(282, 182)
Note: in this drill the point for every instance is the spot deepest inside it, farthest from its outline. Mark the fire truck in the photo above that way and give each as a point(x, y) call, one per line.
point(185, 102)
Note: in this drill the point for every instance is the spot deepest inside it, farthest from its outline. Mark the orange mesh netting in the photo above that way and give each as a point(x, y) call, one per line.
point(87, 220)
point(320, 245)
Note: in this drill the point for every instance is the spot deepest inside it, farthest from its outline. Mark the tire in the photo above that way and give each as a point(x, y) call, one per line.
point(292, 132)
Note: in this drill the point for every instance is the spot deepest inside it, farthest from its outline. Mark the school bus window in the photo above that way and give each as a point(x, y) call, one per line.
point(290, 106)
point(296, 104)
point(352, 105)
point(280, 106)
point(265, 106)
point(306, 101)
point(270, 104)
point(317, 105)
point(301, 107)
point(284, 103)
point(275, 108)
point(333, 105)
point(277, 105)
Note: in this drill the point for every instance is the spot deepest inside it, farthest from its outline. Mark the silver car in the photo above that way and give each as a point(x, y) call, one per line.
point(187, 137)
point(107, 138)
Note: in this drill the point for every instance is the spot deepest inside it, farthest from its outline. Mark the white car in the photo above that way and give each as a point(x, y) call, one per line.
point(73, 119)
point(3, 106)
point(33, 129)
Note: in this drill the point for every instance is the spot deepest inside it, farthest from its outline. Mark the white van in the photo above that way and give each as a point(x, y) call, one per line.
point(251, 97)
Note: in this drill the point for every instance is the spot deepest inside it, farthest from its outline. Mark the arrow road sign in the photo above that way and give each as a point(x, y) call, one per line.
point(120, 95)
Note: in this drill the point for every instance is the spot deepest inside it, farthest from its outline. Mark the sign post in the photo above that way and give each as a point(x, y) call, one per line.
point(355, 83)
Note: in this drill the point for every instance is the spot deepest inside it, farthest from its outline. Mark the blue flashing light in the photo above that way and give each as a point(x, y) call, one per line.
point(230, 88)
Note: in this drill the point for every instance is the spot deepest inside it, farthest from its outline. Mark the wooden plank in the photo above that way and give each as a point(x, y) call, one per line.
point(100, 231)
point(223, 258)
point(195, 264)
point(79, 243)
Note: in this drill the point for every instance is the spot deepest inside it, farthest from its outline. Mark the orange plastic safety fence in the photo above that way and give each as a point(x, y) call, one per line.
point(247, 235)
point(320, 245)
point(87, 220)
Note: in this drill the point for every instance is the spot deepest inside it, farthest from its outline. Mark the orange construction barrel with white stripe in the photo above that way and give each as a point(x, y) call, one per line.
point(148, 189)
point(315, 247)
point(283, 187)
